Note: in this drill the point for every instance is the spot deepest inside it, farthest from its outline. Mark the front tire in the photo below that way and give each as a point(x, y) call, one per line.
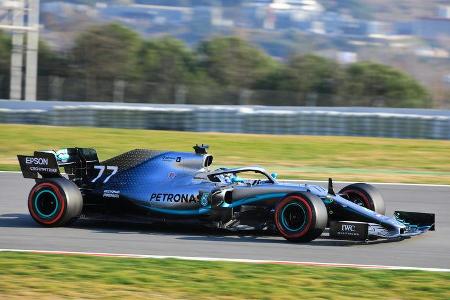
point(301, 217)
point(55, 202)
point(364, 195)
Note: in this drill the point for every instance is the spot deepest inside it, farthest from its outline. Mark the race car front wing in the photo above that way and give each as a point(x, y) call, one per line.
point(409, 224)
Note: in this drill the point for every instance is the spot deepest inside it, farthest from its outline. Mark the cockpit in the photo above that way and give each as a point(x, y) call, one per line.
point(226, 176)
point(239, 176)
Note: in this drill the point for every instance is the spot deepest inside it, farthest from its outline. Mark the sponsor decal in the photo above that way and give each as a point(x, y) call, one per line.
point(204, 199)
point(36, 161)
point(348, 228)
point(42, 162)
point(45, 170)
point(160, 197)
point(168, 158)
point(171, 175)
point(111, 194)
point(347, 233)
point(101, 170)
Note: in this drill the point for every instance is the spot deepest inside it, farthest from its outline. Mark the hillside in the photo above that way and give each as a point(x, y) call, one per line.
point(386, 10)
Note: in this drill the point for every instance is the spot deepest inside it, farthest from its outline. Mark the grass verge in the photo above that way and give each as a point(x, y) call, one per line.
point(307, 157)
point(41, 276)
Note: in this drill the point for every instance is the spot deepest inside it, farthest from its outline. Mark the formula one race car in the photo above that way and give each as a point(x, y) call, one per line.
point(148, 186)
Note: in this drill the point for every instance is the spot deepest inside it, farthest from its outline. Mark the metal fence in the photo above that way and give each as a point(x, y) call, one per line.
point(398, 123)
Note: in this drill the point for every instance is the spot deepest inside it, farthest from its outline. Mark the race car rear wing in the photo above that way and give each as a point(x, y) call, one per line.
point(41, 163)
point(78, 163)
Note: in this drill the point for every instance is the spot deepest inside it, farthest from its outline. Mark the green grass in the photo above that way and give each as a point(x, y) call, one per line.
point(40, 276)
point(303, 157)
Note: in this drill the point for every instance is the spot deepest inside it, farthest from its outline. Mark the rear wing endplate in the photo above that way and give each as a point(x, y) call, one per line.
point(41, 163)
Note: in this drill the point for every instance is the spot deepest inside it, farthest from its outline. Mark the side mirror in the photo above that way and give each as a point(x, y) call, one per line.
point(274, 175)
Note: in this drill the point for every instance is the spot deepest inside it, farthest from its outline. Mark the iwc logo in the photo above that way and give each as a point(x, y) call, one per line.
point(348, 228)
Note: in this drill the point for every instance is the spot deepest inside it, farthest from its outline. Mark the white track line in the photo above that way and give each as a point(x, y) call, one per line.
point(326, 181)
point(253, 261)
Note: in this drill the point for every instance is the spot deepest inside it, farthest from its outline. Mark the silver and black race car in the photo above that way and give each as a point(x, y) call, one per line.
point(154, 186)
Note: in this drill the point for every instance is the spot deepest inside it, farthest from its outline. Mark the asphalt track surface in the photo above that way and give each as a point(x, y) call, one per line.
point(431, 250)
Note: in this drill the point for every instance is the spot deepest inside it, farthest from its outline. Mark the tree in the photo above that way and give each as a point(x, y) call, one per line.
point(103, 55)
point(53, 67)
point(233, 62)
point(315, 80)
point(165, 65)
point(166, 60)
point(372, 84)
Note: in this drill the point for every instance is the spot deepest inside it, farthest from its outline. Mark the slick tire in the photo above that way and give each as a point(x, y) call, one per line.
point(365, 195)
point(301, 217)
point(55, 202)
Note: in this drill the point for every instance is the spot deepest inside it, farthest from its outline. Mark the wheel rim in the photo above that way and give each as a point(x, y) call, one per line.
point(293, 217)
point(46, 204)
point(357, 198)
point(41, 203)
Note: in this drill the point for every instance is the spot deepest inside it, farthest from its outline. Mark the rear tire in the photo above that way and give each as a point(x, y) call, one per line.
point(55, 202)
point(365, 195)
point(301, 217)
